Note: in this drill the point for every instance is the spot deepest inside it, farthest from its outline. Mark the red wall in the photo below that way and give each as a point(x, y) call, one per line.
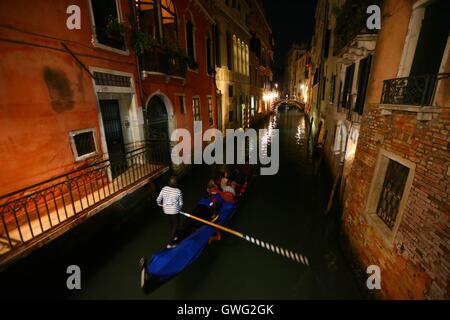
point(198, 82)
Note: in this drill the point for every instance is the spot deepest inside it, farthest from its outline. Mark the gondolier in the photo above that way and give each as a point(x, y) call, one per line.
point(171, 200)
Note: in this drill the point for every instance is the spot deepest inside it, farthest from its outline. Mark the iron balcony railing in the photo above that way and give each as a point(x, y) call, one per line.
point(161, 61)
point(34, 211)
point(414, 90)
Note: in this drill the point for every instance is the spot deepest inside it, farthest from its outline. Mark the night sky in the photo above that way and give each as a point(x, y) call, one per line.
point(292, 21)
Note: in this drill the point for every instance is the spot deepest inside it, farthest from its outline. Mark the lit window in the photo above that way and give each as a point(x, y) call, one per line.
point(196, 109)
point(149, 15)
point(210, 112)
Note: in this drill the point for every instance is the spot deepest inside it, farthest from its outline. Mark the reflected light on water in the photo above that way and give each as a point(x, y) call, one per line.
point(301, 132)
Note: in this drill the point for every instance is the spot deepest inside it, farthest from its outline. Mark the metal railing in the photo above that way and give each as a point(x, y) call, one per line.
point(34, 211)
point(415, 90)
point(160, 61)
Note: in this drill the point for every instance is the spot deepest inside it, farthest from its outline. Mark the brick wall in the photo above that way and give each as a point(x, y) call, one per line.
point(418, 265)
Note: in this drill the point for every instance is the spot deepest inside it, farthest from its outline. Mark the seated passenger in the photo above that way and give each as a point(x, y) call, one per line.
point(212, 188)
point(230, 188)
point(224, 180)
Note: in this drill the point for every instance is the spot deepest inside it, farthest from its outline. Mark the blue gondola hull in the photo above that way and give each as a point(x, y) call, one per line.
point(170, 262)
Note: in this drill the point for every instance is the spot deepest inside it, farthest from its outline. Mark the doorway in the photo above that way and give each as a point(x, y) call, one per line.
point(112, 125)
point(157, 128)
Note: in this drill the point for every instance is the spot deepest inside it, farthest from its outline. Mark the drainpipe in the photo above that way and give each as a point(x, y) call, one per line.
point(138, 68)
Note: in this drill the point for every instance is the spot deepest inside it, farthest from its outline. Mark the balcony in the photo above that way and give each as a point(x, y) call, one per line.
point(160, 61)
point(37, 214)
point(414, 94)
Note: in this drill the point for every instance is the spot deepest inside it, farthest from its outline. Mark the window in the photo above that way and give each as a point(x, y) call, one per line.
point(327, 44)
point(348, 83)
point(229, 51)
point(332, 88)
point(210, 112)
point(112, 80)
point(83, 144)
point(217, 39)
point(196, 109)
point(363, 81)
point(108, 30)
point(230, 91)
point(182, 104)
point(392, 192)
point(209, 61)
point(169, 22)
point(324, 87)
point(392, 181)
point(158, 19)
point(190, 40)
point(230, 116)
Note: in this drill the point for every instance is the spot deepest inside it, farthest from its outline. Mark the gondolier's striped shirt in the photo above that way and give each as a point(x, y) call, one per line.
point(171, 200)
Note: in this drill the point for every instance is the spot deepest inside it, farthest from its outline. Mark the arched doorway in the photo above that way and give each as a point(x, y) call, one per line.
point(157, 129)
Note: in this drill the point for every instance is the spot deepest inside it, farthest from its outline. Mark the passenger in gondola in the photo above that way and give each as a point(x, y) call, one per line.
point(224, 180)
point(212, 188)
point(228, 193)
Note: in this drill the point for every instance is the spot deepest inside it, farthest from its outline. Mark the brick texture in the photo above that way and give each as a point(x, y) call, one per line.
point(418, 264)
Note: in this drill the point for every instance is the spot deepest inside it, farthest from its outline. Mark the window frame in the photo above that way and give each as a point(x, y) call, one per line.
point(376, 186)
point(187, 20)
point(209, 100)
point(181, 97)
point(73, 145)
point(196, 98)
point(95, 41)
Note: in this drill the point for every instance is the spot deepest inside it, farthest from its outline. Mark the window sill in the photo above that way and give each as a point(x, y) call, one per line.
point(386, 235)
point(98, 45)
point(423, 113)
point(85, 157)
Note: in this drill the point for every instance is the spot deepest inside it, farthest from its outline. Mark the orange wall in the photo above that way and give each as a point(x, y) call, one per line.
point(36, 114)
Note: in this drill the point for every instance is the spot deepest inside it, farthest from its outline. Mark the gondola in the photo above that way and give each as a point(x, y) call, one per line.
point(194, 238)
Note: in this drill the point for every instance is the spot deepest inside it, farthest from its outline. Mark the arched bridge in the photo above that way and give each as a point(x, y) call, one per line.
point(290, 102)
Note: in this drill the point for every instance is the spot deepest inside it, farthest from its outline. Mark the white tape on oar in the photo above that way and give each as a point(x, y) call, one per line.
point(299, 258)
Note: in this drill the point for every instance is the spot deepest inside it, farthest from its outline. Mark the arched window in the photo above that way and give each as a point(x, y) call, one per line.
point(190, 40)
point(158, 19)
point(169, 21)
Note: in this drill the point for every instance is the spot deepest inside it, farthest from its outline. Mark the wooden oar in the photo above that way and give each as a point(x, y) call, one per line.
point(297, 257)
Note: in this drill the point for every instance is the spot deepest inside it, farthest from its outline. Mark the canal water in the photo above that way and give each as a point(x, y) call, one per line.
point(286, 209)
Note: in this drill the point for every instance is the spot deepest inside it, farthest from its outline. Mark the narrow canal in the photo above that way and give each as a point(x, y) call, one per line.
point(286, 209)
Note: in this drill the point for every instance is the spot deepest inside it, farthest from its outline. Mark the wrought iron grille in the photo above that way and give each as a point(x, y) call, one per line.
point(112, 80)
point(415, 91)
point(32, 213)
point(392, 192)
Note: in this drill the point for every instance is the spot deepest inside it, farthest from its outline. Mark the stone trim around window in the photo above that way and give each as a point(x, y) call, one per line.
point(423, 113)
point(387, 235)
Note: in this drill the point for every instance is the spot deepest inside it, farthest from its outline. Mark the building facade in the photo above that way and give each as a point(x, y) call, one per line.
point(176, 93)
point(296, 71)
point(90, 97)
point(232, 39)
point(397, 198)
point(261, 62)
point(379, 107)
